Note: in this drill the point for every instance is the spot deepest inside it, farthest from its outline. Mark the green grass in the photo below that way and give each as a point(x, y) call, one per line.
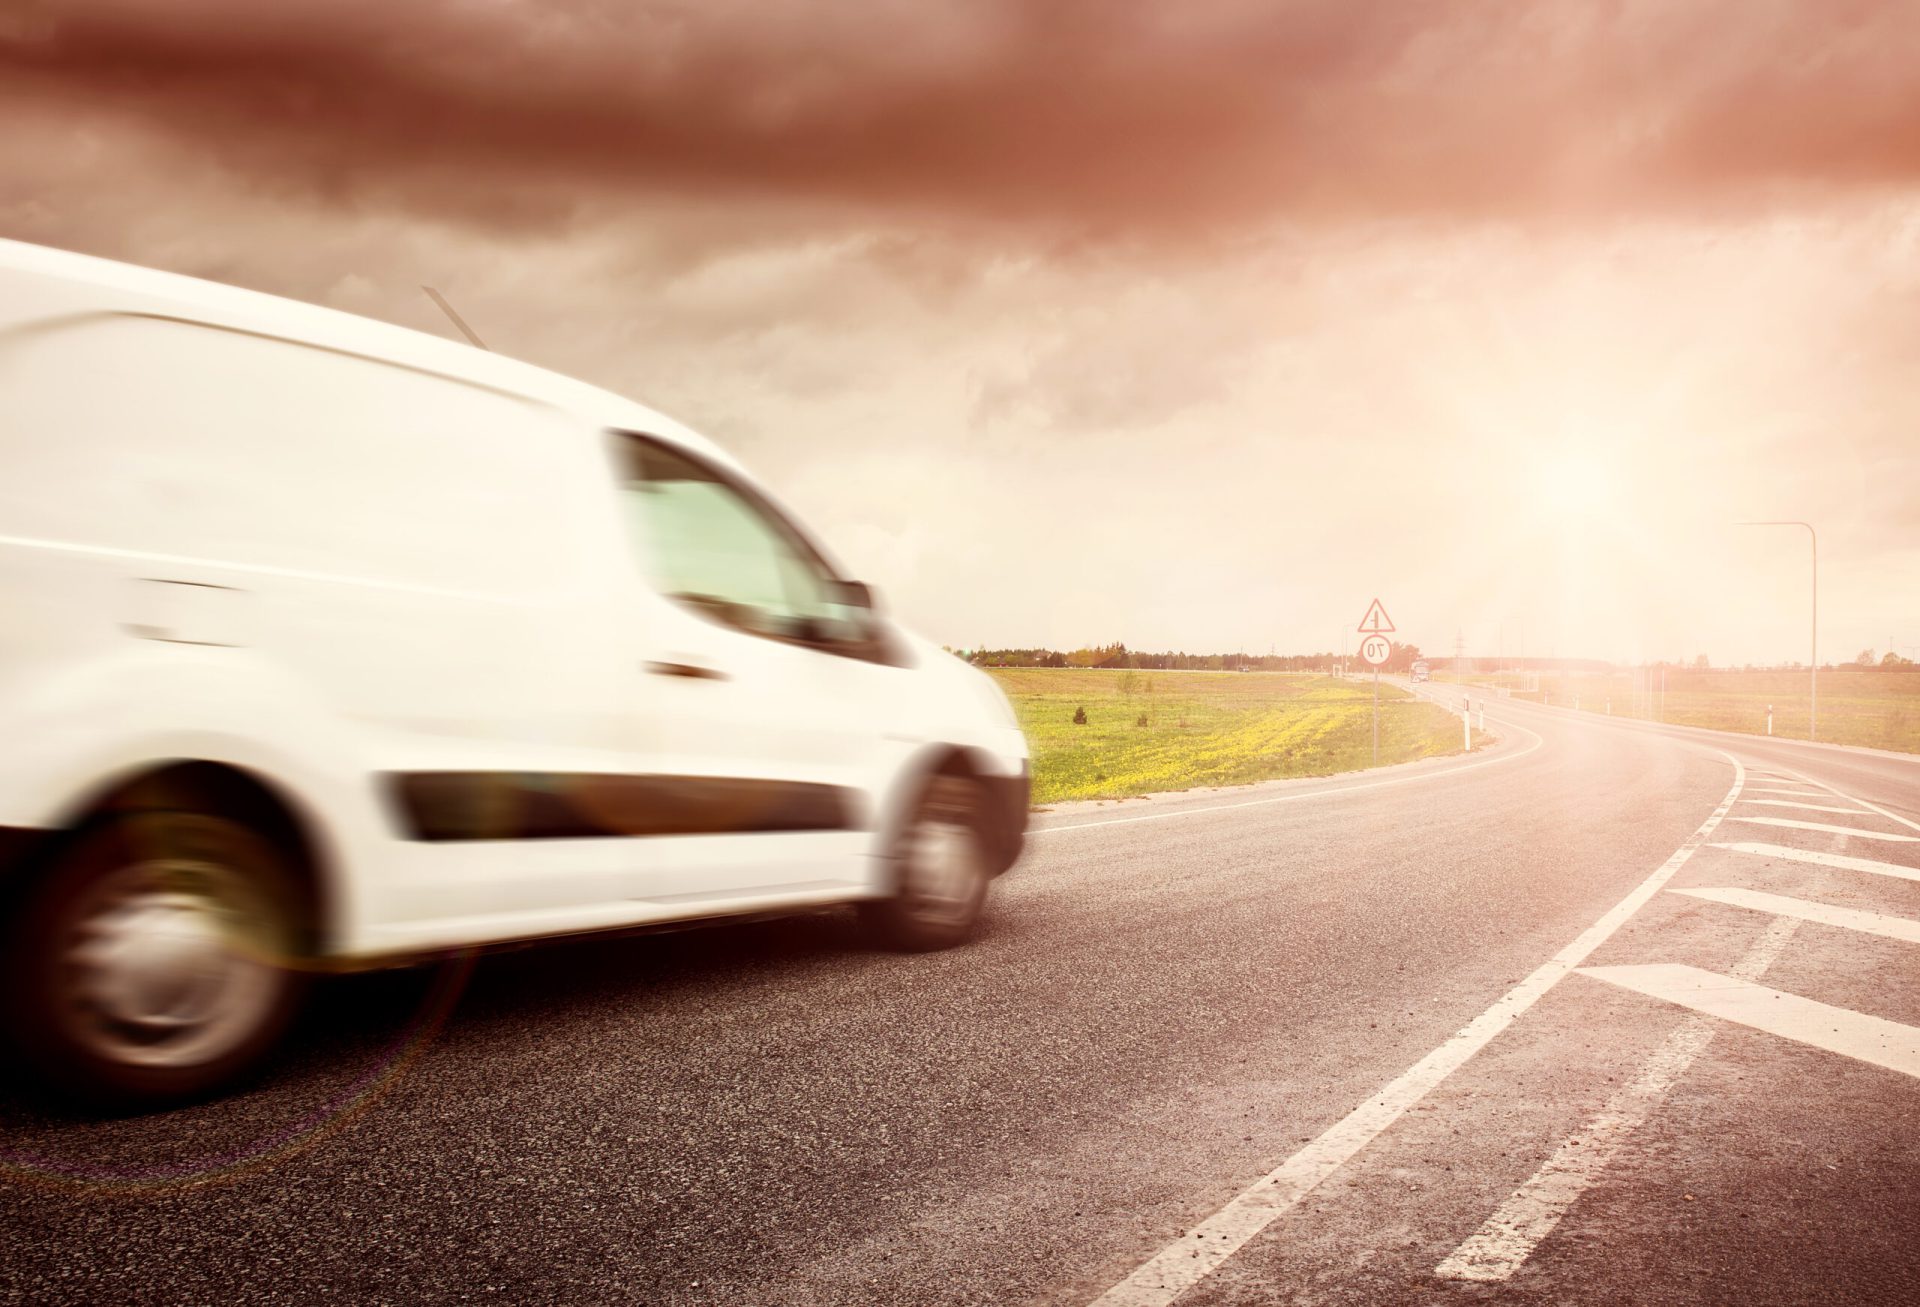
point(1880, 710)
point(1208, 728)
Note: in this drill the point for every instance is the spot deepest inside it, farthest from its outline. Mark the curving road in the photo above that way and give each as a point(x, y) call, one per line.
point(1324, 1041)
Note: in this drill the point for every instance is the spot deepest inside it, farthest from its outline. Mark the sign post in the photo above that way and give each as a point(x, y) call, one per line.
point(1376, 649)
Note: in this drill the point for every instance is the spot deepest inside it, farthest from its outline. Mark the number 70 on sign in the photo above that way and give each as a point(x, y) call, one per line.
point(1375, 649)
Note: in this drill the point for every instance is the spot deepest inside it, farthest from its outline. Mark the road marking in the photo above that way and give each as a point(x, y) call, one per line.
point(1170, 1272)
point(1874, 807)
point(1818, 859)
point(1854, 798)
point(1305, 794)
point(1502, 1245)
point(1864, 1038)
point(1805, 807)
point(1827, 914)
point(1835, 830)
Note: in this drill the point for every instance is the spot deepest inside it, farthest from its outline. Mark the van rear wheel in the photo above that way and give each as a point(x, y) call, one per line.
point(155, 960)
point(941, 872)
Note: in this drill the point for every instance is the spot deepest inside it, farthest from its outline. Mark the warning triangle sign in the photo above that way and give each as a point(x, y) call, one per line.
point(1376, 622)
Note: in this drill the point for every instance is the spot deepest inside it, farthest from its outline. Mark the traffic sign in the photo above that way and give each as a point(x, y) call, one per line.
point(1376, 622)
point(1375, 649)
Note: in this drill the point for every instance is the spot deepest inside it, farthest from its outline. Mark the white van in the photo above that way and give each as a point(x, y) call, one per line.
point(325, 643)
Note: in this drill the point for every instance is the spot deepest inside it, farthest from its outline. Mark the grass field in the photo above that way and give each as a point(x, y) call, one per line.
point(1878, 709)
point(1208, 728)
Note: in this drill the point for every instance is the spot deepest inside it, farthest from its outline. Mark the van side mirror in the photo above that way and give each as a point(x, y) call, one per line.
point(858, 594)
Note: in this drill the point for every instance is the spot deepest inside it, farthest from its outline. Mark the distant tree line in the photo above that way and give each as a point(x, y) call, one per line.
point(1117, 655)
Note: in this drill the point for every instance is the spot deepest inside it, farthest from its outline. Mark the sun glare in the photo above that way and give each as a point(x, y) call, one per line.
point(1574, 483)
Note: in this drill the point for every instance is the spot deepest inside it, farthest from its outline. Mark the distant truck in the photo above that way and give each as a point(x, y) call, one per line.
point(1421, 670)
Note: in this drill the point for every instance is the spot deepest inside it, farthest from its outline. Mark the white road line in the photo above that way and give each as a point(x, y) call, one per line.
point(1805, 807)
point(1818, 859)
point(1807, 790)
point(1854, 798)
point(1874, 807)
point(1834, 830)
point(1304, 794)
point(1502, 1245)
point(1171, 1271)
point(1826, 914)
point(1840, 1030)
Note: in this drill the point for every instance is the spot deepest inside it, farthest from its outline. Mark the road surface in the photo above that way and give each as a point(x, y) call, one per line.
point(1599, 1013)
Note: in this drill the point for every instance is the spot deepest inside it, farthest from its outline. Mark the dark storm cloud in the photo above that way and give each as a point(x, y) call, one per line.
point(1092, 115)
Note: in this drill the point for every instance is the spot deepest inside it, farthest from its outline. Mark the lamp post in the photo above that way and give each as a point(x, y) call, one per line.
point(1813, 684)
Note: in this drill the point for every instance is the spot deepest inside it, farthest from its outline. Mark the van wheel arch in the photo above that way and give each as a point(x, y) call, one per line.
point(948, 760)
point(221, 789)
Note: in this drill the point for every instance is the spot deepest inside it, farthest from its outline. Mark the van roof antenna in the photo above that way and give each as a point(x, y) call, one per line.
point(458, 321)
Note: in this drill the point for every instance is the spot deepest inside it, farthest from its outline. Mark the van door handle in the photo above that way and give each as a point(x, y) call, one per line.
point(692, 671)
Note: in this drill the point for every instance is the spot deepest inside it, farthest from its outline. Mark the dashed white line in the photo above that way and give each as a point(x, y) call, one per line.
point(1826, 914)
point(1840, 1030)
point(1175, 1268)
point(1818, 859)
point(1829, 829)
point(1502, 1245)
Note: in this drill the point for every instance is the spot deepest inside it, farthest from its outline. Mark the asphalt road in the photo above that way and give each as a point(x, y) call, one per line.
point(1182, 1007)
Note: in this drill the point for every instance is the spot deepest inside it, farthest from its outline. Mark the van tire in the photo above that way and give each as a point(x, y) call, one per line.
point(942, 869)
point(154, 960)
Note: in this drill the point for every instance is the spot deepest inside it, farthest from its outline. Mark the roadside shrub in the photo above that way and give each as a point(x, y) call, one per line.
point(1141, 720)
point(1079, 716)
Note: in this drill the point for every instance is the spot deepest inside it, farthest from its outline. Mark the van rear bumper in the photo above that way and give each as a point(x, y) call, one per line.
point(1008, 798)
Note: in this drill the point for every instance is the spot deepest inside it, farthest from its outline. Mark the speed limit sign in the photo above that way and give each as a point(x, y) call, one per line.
point(1375, 649)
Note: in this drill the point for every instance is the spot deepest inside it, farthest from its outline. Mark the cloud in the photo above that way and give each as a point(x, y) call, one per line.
point(1185, 324)
point(1105, 117)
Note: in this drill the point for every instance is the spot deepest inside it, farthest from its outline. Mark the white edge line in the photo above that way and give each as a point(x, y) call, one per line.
point(1304, 794)
point(1175, 1268)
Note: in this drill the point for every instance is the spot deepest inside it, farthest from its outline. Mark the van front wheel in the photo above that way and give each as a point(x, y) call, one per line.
point(941, 872)
point(155, 960)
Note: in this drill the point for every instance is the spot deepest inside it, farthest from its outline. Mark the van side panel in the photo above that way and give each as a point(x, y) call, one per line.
point(217, 543)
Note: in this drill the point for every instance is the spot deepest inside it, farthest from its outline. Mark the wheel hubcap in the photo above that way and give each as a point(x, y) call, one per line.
point(168, 964)
point(942, 870)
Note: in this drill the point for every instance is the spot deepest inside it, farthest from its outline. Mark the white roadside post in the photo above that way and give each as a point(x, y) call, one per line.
point(1466, 727)
point(1769, 719)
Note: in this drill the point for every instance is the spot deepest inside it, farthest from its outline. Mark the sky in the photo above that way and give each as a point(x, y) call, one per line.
point(1191, 326)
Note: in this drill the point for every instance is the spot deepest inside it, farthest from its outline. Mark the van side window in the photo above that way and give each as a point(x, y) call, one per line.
point(715, 546)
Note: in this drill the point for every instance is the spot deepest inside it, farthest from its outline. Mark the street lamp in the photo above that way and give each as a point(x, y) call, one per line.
point(1813, 685)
